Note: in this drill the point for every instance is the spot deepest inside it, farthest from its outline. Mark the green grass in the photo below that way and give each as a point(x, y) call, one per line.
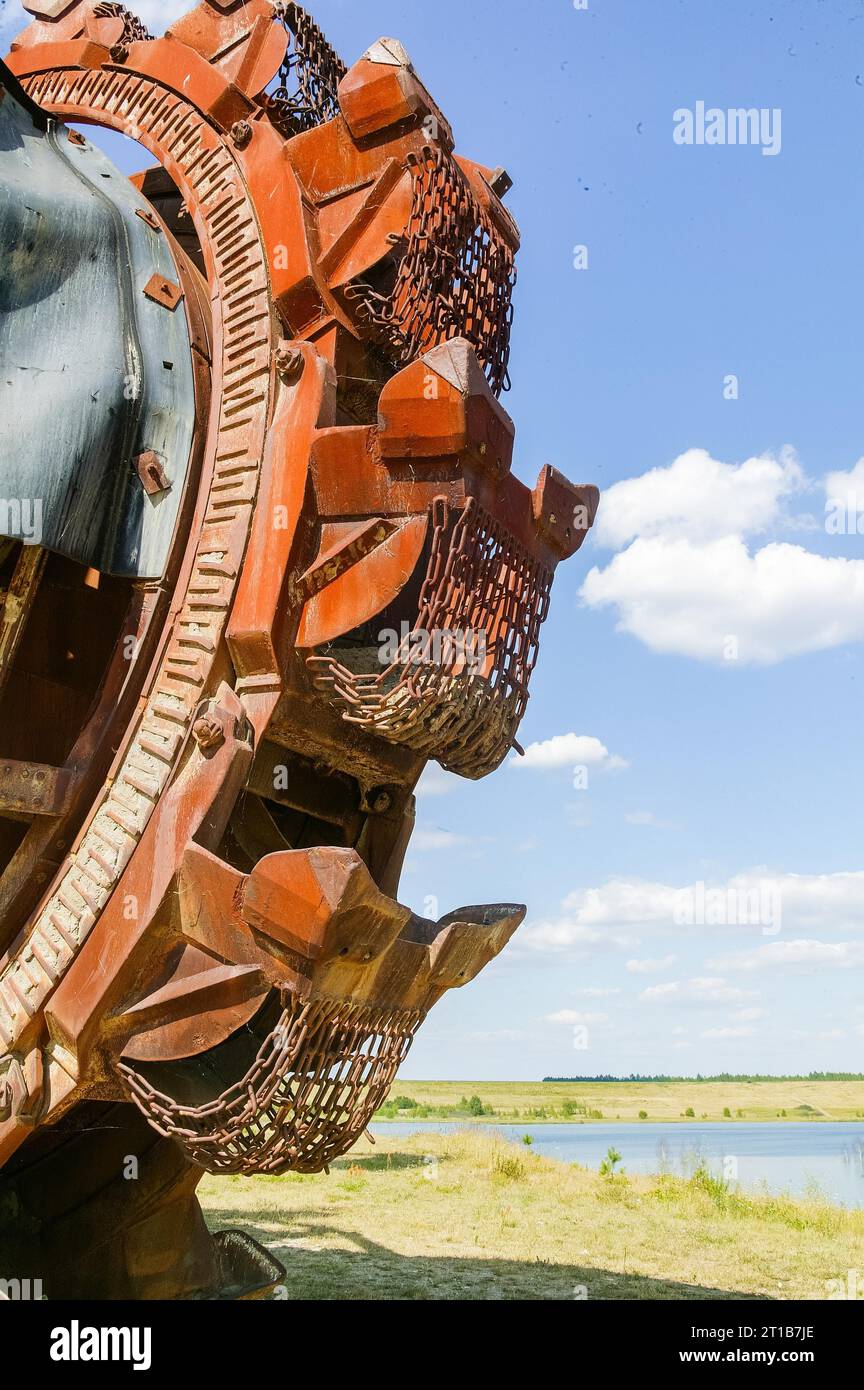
point(582, 1102)
point(468, 1216)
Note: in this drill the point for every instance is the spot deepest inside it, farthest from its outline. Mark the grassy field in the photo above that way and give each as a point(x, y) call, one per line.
point(467, 1216)
point(668, 1101)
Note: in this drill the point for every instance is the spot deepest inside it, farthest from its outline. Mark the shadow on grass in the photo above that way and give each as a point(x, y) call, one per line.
point(379, 1163)
point(363, 1270)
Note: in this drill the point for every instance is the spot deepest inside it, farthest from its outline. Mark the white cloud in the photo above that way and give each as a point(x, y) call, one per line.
point(701, 992)
point(650, 967)
point(625, 902)
point(722, 1033)
point(685, 582)
point(567, 750)
point(841, 487)
point(622, 912)
point(598, 993)
point(689, 599)
point(572, 1016)
point(698, 498)
point(796, 956)
point(556, 935)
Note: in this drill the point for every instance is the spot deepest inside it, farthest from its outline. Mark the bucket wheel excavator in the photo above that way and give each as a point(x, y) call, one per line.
point(249, 426)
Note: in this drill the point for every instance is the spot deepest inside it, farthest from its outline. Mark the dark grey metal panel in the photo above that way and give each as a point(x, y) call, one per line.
point(92, 372)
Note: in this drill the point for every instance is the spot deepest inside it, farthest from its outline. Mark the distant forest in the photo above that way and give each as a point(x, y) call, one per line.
point(721, 1076)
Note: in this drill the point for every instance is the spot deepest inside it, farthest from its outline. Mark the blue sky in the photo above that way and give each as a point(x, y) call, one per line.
point(708, 638)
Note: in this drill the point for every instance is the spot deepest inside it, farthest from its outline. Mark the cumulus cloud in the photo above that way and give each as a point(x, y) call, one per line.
point(702, 992)
point(622, 912)
point(721, 1034)
point(800, 956)
point(686, 582)
point(720, 603)
point(591, 916)
point(567, 750)
point(557, 935)
point(840, 487)
point(699, 498)
point(650, 967)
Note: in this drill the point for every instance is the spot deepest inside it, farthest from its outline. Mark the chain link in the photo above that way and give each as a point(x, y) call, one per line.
point(316, 1082)
point(455, 277)
point(479, 580)
point(309, 76)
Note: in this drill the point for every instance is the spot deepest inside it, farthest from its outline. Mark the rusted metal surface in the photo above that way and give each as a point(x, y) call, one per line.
point(463, 701)
point(133, 30)
point(309, 76)
point(315, 1083)
point(203, 959)
point(455, 274)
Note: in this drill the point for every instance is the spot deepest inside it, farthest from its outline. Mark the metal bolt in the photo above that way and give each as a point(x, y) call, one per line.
point(241, 134)
point(208, 732)
point(288, 361)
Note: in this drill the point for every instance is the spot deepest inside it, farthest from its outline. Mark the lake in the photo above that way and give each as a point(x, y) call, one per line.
point(787, 1157)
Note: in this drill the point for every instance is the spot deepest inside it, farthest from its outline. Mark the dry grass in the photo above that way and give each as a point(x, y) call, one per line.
point(468, 1216)
point(666, 1101)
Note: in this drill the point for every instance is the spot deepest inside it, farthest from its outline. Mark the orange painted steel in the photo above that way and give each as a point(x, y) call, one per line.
point(219, 961)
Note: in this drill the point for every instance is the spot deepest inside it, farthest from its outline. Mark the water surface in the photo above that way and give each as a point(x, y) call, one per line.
point(790, 1156)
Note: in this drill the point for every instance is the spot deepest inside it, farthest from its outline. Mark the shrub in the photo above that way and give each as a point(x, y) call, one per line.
point(607, 1167)
point(643, 1114)
point(727, 1113)
point(690, 1113)
point(507, 1169)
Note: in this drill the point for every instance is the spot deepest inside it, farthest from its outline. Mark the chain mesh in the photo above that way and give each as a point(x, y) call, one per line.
point(310, 1093)
point(310, 74)
point(480, 582)
point(455, 278)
